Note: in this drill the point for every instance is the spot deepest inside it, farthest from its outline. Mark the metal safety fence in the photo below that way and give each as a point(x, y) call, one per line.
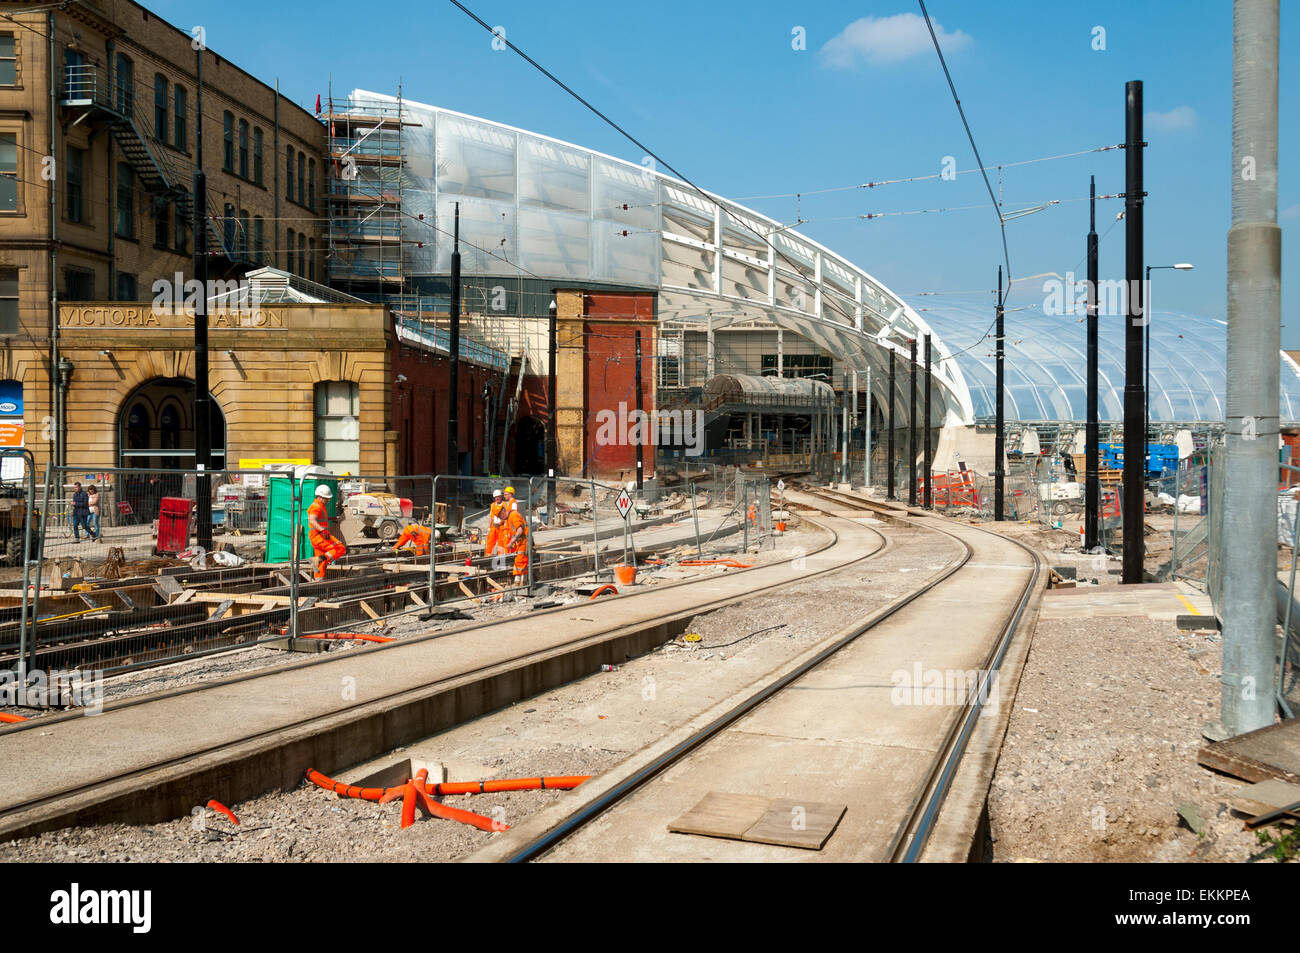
point(114, 570)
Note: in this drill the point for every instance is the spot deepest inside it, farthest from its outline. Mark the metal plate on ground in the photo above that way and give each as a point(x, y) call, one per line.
point(784, 822)
point(1271, 752)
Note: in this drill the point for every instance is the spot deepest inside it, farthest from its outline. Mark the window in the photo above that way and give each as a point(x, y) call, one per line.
point(259, 241)
point(8, 60)
point(311, 259)
point(228, 231)
point(289, 241)
point(8, 301)
point(257, 155)
point(8, 171)
point(302, 183)
point(311, 184)
point(127, 289)
point(243, 148)
point(288, 172)
point(160, 103)
point(125, 201)
point(181, 140)
point(125, 84)
point(78, 284)
point(338, 443)
point(228, 140)
point(77, 83)
point(182, 231)
point(162, 222)
point(243, 235)
point(302, 254)
point(73, 180)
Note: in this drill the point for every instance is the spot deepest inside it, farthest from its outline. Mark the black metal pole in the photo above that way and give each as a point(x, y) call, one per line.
point(889, 486)
point(453, 355)
point(642, 425)
point(1134, 388)
point(911, 456)
point(1000, 410)
point(1092, 478)
point(928, 472)
point(552, 449)
point(202, 402)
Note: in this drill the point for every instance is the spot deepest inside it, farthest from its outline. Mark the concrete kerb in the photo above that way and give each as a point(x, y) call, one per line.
point(276, 759)
point(959, 830)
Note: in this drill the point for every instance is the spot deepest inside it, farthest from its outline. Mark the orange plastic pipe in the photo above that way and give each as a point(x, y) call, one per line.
point(604, 589)
point(218, 806)
point(11, 719)
point(350, 636)
point(559, 783)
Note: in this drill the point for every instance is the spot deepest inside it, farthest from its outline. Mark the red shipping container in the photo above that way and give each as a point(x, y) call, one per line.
point(173, 526)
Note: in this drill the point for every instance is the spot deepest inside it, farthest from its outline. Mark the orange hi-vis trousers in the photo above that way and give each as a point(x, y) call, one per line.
point(327, 549)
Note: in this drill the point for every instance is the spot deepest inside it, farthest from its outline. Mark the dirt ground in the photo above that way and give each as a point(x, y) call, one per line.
point(1101, 750)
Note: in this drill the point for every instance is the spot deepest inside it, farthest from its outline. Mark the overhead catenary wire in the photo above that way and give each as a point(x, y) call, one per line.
point(1002, 224)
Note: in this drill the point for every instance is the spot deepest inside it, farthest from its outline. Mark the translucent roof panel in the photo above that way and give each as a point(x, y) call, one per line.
point(1046, 358)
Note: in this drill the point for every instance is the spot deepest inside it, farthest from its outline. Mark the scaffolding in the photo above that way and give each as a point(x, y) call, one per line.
point(366, 228)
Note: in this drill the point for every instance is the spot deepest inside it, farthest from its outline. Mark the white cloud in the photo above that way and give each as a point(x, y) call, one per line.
point(881, 41)
point(1177, 119)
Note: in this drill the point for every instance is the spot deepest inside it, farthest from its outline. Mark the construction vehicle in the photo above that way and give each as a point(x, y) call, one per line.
point(13, 519)
point(380, 514)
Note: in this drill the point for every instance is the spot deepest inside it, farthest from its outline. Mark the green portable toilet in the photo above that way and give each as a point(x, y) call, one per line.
point(279, 510)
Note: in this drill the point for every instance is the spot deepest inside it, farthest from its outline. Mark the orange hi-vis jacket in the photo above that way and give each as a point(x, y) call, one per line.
point(514, 523)
point(416, 537)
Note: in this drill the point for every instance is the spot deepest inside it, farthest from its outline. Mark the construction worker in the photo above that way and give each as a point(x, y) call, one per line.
point(516, 534)
point(414, 537)
point(496, 519)
point(325, 546)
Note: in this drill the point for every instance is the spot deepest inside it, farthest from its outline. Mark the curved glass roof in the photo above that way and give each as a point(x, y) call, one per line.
point(538, 207)
point(1046, 359)
point(534, 206)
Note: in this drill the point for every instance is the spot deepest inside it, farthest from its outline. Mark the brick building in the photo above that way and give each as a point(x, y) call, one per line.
point(98, 118)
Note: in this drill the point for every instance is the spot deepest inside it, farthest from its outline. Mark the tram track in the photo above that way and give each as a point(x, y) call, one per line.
point(417, 701)
point(911, 832)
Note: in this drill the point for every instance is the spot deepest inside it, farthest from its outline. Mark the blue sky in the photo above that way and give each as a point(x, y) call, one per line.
point(719, 92)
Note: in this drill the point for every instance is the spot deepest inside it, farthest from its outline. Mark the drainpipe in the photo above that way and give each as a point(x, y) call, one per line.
point(56, 392)
point(110, 171)
point(275, 167)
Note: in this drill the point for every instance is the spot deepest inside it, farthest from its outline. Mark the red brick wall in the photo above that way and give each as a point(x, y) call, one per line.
point(612, 322)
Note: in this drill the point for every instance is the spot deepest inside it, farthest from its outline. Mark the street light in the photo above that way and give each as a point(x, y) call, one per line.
point(1146, 313)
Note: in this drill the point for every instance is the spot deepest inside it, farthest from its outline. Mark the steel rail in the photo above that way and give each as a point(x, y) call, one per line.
point(913, 833)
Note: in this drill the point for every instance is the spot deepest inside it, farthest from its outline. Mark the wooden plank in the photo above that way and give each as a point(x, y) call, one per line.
point(221, 610)
point(719, 814)
point(789, 822)
point(185, 596)
point(465, 589)
point(366, 608)
point(1265, 796)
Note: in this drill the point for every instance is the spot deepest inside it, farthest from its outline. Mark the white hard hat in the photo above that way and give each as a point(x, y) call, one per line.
point(324, 492)
point(497, 491)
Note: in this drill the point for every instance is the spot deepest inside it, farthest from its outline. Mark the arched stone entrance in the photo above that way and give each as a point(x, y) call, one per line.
point(155, 427)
